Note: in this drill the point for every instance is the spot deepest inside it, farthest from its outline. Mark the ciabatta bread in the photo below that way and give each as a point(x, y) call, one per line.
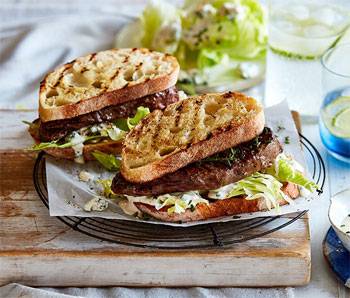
point(102, 79)
point(219, 208)
point(109, 147)
point(188, 131)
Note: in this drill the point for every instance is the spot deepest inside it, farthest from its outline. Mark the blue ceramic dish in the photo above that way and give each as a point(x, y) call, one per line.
point(337, 256)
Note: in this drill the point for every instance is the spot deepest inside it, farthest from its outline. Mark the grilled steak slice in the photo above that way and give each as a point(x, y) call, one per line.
point(53, 130)
point(213, 172)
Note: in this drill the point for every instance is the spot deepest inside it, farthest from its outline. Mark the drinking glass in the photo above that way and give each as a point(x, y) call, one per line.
point(335, 112)
point(300, 32)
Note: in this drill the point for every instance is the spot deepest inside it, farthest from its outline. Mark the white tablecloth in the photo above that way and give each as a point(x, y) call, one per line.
point(36, 36)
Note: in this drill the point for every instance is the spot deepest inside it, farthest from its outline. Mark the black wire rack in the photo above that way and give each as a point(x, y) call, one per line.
point(210, 235)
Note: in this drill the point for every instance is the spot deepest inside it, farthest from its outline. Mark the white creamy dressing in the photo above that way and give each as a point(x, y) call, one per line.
point(129, 207)
point(249, 70)
point(85, 176)
point(104, 129)
point(180, 202)
point(108, 129)
point(77, 145)
point(96, 204)
point(345, 225)
point(221, 193)
point(233, 10)
point(182, 95)
point(208, 9)
point(142, 199)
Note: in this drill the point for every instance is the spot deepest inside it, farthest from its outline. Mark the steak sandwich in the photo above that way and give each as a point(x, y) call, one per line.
point(90, 104)
point(204, 157)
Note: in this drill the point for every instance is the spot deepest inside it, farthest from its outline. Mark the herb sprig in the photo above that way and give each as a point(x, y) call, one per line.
point(229, 159)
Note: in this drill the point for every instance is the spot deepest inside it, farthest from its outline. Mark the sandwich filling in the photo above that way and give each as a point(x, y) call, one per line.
point(53, 130)
point(109, 123)
point(255, 169)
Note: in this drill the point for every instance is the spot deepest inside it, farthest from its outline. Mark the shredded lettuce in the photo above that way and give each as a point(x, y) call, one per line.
point(254, 187)
point(258, 186)
point(109, 161)
point(287, 169)
point(179, 203)
point(267, 185)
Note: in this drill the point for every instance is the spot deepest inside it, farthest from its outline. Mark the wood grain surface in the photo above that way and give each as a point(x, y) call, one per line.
point(39, 250)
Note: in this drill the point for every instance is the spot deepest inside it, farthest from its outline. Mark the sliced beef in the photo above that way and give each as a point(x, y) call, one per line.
point(53, 130)
point(213, 172)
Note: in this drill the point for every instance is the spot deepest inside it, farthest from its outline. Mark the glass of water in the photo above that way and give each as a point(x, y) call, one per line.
point(300, 32)
point(335, 111)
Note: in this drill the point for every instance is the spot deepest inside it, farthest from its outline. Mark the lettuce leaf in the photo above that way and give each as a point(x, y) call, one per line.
point(286, 169)
point(109, 161)
point(115, 134)
point(141, 113)
point(106, 185)
point(211, 36)
point(220, 35)
point(258, 186)
point(54, 144)
point(161, 25)
point(231, 26)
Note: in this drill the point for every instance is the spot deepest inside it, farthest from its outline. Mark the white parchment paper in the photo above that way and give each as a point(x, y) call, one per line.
point(68, 195)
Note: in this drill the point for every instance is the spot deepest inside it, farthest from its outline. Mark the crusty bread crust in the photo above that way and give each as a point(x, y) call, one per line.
point(227, 136)
point(130, 90)
point(109, 147)
point(219, 208)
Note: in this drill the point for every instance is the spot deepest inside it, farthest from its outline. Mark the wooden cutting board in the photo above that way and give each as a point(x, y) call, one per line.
point(39, 250)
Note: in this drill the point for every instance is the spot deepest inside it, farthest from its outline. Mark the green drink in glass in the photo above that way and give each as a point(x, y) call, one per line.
point(300, 32)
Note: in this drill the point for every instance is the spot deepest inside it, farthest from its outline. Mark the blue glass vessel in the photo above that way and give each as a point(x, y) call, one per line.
point(334, 121)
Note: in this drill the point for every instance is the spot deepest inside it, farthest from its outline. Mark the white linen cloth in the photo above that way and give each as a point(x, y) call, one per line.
point(36, 36)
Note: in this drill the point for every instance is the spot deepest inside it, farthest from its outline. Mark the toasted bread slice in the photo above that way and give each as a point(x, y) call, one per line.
point(227, 207)
point(187, 131)
point(105, 146)
point(106, 78)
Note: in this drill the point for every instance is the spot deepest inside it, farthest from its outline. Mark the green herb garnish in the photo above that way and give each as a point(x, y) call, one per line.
point(233, 154)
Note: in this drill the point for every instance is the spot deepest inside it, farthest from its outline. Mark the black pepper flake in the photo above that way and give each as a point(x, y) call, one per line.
point(279, 128)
